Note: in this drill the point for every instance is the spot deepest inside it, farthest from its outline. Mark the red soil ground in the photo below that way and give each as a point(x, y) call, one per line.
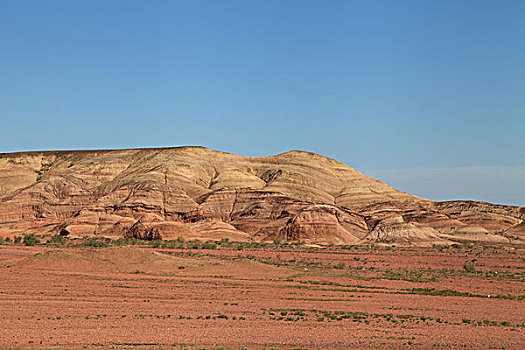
point(322, 298)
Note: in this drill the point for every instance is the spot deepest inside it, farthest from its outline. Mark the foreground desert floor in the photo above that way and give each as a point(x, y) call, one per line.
point(276, 296)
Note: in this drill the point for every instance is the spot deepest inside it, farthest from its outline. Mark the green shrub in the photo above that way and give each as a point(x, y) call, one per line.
point(95, 242)
point(440, 247)
point(122, 241)
point(157, 244)
point(31, 240)
point(208, 245)
point(57, 240)
point(469, 266)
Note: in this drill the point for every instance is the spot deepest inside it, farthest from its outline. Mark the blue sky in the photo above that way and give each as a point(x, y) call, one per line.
point(387, 87)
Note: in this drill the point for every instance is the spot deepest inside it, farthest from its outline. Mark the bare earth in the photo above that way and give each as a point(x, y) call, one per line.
point(275, 297)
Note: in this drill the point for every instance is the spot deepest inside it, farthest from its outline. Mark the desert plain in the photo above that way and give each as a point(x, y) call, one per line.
point(194, 295)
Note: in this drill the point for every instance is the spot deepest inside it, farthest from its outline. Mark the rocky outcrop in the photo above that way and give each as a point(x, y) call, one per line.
point(196, 193)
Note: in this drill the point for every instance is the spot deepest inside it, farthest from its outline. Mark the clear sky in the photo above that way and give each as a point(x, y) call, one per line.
point(392, 88)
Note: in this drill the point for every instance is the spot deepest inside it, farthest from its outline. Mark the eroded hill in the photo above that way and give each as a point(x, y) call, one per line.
point(194, 192)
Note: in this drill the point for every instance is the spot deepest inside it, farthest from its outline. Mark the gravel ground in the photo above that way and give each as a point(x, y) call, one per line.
point(220, 298)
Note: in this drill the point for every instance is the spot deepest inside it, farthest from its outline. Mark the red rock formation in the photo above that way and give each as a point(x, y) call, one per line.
point(193, 192)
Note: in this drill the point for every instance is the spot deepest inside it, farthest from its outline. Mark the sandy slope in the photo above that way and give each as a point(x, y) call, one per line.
point(197, 193)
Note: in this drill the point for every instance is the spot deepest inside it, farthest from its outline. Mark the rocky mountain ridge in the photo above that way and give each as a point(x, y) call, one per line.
point(197, 193)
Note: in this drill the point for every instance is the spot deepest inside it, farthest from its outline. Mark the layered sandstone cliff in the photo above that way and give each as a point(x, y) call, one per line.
point(194, 192)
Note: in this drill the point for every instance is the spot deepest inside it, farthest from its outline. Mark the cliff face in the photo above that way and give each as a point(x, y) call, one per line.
point(193, 192)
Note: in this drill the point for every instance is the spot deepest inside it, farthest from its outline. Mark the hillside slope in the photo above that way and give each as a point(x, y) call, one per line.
point(194, 192)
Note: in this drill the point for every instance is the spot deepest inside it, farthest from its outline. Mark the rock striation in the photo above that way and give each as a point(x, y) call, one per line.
point(197, 193)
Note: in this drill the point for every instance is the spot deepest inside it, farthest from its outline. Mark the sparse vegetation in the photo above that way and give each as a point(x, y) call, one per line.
point(319, 287)
point(96, 242)
point(31, 240)
point(470, 266)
